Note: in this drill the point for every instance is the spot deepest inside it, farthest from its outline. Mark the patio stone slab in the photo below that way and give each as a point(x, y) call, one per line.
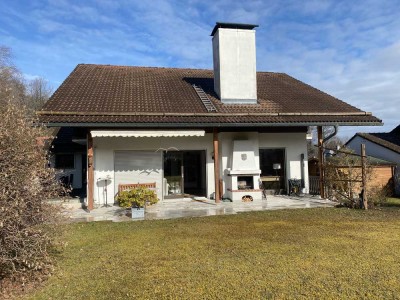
point(187, 208)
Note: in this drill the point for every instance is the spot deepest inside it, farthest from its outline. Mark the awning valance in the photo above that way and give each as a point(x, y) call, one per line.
point(146, 133)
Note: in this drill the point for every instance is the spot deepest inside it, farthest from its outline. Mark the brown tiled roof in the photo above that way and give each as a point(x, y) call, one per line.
point(120, 94)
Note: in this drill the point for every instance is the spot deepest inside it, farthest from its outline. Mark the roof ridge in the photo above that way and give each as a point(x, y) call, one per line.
point(170, 68)
point(383, 142)
point(142, 67)
point(371, 133)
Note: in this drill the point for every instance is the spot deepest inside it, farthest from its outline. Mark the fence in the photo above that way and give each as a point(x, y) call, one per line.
point(314, 185)
point(343, 177)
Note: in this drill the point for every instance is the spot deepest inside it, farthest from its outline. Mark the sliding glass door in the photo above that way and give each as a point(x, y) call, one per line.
point(185, 173)
point(173, 172)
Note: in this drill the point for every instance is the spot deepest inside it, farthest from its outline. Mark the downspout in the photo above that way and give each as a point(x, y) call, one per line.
point(331, 135)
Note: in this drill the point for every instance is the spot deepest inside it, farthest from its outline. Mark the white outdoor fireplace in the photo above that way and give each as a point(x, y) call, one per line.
point(244, 175)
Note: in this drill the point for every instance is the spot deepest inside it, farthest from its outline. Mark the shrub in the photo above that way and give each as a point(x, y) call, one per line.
point(377, 196)
point(343, 175)
point(137, 197)
point(26, 183)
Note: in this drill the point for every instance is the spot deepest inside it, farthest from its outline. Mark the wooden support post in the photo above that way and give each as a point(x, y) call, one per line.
point(321, 162)
point(393, 178)
point(90, 171)
point(364, 176)
point(216, 166)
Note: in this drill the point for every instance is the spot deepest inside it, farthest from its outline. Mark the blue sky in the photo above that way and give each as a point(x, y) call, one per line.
point(349, 49)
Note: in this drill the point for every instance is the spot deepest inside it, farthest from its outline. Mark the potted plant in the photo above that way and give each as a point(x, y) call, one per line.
point(137, 199)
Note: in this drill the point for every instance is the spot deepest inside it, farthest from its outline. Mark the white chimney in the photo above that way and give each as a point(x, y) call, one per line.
point(234, 56)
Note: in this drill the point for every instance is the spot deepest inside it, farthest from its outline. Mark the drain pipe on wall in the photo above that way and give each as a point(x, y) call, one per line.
point(335, 127)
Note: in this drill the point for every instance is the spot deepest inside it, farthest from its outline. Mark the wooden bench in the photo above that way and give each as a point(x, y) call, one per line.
point(130, 186)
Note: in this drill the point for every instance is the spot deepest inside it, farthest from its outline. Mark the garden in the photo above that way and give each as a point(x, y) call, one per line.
point(325, 253)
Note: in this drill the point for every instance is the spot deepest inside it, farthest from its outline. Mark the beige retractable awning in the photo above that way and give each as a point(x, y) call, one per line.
point(146, 133)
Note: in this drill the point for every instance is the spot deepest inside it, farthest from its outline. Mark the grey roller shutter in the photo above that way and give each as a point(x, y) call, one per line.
point(138, 167)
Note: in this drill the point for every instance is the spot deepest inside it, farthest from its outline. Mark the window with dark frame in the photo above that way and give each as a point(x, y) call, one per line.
point(65, 161)
point(272, 164)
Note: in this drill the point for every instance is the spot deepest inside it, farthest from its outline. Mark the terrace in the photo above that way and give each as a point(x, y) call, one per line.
point(194, 207)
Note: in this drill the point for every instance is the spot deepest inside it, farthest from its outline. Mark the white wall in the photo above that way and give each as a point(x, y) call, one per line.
point(294, 144)
point(104, 148)
point(378, 151)
point(226, 151)
point(234, 54)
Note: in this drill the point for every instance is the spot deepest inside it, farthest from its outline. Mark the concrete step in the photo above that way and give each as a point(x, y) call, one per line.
point(68, 203)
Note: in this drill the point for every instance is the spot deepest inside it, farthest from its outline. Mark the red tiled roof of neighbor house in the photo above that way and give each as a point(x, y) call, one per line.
point(104, 94)
point(389, 140)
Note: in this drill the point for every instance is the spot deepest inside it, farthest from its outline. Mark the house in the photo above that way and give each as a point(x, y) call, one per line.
point(384, 145)
point(211, 133)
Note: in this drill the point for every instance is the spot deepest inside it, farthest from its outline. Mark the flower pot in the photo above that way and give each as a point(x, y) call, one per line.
point(137, 212)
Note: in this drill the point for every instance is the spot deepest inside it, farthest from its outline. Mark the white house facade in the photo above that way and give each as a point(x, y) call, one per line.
point(145, 159)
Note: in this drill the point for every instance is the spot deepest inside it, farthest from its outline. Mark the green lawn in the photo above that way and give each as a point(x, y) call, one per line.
point(312, 253)
point(393, 202)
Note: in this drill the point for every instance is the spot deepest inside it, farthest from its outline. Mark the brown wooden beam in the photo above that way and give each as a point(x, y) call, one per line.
point(393, 178)
point(90, 171)
point(321, 162)
point(364, 176)
point(216, 166)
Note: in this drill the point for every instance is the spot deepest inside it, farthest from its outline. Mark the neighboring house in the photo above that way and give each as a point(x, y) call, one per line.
point(211, 133)
point(385, 145)
point(381, 173)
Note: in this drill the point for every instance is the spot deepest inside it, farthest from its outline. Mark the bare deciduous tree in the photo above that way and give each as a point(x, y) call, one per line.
point(15, 89)
point(332, 143)
point(12, 86)
point(38, 92)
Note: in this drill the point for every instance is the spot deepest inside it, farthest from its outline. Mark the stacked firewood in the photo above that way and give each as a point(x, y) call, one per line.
point(247, 198)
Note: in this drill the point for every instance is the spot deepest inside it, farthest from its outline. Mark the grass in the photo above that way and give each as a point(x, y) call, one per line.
point(313, 253)
point(393, 202)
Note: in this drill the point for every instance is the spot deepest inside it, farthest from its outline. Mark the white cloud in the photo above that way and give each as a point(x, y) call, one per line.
point(30, 77)
point(353, 53)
